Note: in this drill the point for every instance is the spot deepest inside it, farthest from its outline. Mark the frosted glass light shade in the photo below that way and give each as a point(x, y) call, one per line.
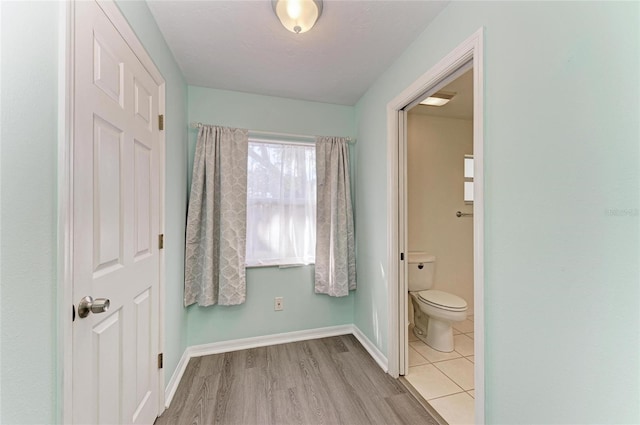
point(438, 99)
point(435, 101)
point(297, 15)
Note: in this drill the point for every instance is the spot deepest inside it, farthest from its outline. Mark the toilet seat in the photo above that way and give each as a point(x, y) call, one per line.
point(443, 300)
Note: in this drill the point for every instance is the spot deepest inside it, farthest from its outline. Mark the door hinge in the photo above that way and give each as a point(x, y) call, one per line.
point(402, 256)
point(160, 361)
point(161, 122)
point(161, 241)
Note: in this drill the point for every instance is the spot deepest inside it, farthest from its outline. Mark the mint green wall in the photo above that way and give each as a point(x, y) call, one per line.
point(268, 113)
point(142, 22)
point(303, 308)
point(28, 208)
point(562, 229)
point(562, 289)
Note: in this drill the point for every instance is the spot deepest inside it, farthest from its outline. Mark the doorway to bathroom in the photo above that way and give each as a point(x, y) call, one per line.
point(436, 227)
point(439, 204)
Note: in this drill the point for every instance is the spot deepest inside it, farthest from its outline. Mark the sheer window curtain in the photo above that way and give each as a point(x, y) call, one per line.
point(335, 273)
point(281, 194)
point(216, 221)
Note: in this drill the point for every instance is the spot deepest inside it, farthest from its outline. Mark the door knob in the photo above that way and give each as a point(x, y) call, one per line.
point(89, 305)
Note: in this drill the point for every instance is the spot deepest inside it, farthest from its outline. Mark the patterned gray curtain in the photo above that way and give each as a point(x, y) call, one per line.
point(335, 273)
point(216, 220)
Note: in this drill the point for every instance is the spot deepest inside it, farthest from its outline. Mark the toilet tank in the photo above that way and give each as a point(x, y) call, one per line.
point(422, 267)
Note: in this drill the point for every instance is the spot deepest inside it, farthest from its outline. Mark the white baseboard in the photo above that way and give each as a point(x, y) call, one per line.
point(246, 343)
point(173, 383)
point(374, 352)
point(263, 341)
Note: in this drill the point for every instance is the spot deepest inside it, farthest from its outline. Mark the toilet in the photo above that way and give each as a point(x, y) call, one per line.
point(434, 311)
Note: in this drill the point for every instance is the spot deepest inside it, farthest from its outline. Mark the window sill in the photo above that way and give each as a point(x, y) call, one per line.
point(280, 266)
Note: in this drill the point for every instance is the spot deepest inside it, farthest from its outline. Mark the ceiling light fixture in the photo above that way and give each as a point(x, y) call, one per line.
point(438, 99)
point(297, 15)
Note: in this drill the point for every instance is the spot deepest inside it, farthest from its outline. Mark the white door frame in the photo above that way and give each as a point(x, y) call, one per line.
point(470, 49)
point(65, 194)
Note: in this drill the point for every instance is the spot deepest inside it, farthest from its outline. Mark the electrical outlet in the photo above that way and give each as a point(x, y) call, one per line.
point(279, 304)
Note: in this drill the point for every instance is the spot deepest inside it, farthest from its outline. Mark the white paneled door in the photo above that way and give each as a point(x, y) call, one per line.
point(116, 154)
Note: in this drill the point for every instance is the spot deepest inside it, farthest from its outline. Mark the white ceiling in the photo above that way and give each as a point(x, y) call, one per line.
point(241, 45)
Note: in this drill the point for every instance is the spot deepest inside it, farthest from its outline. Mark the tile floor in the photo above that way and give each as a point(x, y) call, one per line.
point(445, 380)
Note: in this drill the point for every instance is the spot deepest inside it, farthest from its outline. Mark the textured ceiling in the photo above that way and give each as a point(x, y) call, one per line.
point(241, 45)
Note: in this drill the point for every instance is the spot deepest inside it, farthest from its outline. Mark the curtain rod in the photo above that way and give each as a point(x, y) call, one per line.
point(196, 124)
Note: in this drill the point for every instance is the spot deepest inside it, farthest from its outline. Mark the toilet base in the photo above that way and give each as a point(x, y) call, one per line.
point(421, 334)
point(440, 335)
point(436, 333)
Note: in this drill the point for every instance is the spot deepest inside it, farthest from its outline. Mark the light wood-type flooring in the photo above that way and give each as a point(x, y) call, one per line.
point(322, 381)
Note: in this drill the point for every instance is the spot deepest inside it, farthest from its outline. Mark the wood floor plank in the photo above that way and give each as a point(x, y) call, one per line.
point(335, 344)
point(223, 393)
point(328, 381)
point(256, 357)
point(180, 398)
point(407, 408)
point(348, 405)
point(321, 409)
point(194, 411)
point(289, 409)
point(377, 410)
point(279, 359)
point(258, 402)
point(358, 360)
point(211, 365)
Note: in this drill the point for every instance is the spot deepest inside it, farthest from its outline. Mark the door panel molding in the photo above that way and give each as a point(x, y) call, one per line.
point(65, 194)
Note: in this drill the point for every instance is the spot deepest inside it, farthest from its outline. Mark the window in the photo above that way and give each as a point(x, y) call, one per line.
point(468, 179)
point(281, 203)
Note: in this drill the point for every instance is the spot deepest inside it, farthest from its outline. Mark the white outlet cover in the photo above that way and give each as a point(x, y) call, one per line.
point(278, 304)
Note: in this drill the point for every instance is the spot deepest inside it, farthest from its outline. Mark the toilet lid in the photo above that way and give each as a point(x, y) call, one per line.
point(443, 300)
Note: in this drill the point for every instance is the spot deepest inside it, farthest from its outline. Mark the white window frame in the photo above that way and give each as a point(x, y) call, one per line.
point(304, 141)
